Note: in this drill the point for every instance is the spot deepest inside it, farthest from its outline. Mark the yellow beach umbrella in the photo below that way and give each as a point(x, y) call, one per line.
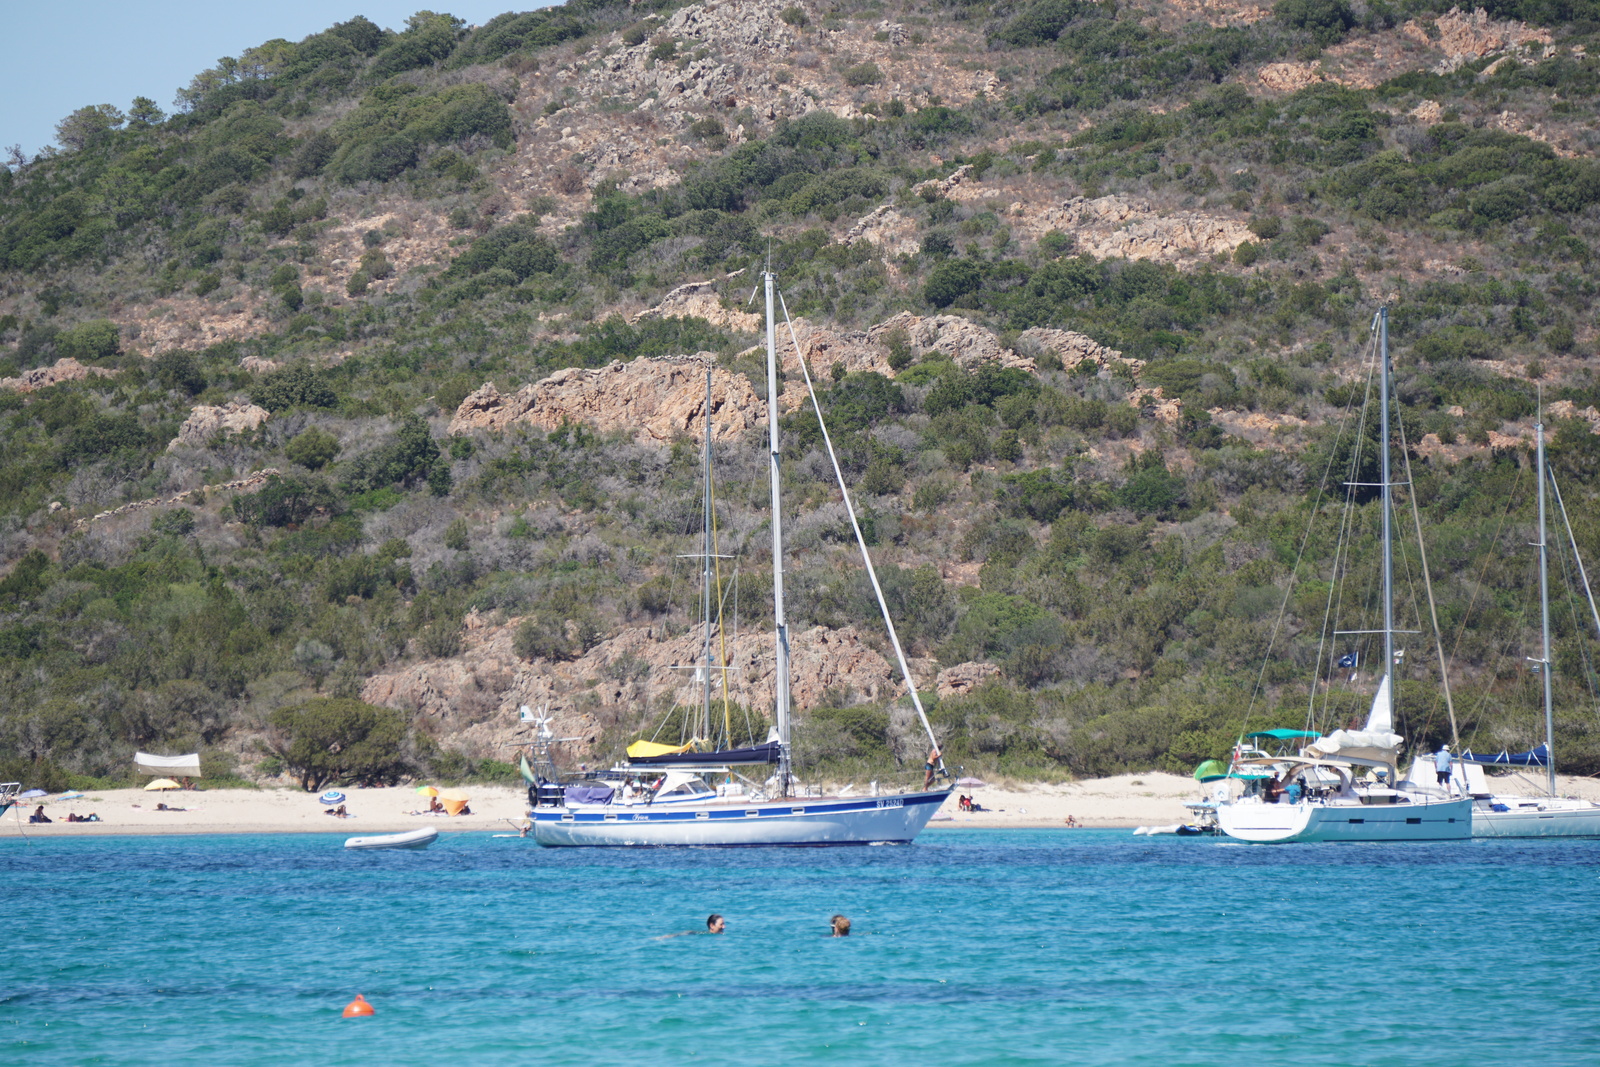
point(162, 783)
point(453, 800)
point(427, 791)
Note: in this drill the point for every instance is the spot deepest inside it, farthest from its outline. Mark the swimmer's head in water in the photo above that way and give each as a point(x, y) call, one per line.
point(715, 925)
point(841, 926)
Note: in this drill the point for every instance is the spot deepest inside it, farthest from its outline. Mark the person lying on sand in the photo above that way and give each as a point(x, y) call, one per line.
point(338, 813)
point(163, 807)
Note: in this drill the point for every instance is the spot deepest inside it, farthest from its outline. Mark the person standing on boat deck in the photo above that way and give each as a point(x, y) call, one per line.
point(715, 925)
point(927, 768)
point(1441, 765)
point(841, 925)
point(1272, 790)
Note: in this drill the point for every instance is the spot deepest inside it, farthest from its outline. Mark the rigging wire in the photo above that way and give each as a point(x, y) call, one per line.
point(1334, 605)
point(1288, 592)
point(866, 557)
point(1427, 582)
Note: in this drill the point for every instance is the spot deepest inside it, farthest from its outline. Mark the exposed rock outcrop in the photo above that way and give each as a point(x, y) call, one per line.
point(888, 230)
point(64, 370)
point(250, 481)
point(701, 300)
point(1117, 226)
point(1463, 37)
point(963, 678)
point(966, 343)
point(657, 400)
point(206, 422)
point(487, 683)
point(1071, 348)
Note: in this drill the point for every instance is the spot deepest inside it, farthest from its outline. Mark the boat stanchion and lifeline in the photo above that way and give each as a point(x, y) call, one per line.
point(1329, 804)
point(683, 810)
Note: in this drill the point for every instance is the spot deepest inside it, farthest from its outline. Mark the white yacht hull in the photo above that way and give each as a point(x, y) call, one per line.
point(795, 821)
point(1542, 817)
point(1283, 823)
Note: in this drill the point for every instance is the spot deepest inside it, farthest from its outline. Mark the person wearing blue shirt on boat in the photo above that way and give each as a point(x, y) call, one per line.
point(1441, 765)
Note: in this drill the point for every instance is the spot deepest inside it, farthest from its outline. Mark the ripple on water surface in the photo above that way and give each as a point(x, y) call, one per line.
point(970, 947)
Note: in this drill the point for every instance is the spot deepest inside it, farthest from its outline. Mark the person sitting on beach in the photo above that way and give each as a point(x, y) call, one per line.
point(928, 767)
point(338, 813)
point(434, 806)
point(1073, 822)
point(841, 926)
point(39, 815)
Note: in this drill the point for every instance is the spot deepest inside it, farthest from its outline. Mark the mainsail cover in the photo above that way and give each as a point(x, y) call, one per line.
point(168, 766)
point(1378, 742)
point(1375, 745)
point(767, 753)
point(1539, 757)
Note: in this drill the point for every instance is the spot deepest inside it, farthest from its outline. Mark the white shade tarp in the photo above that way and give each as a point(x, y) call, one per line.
point(168, 766)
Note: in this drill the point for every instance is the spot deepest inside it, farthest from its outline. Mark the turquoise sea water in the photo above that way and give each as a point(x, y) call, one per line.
point(970, 947)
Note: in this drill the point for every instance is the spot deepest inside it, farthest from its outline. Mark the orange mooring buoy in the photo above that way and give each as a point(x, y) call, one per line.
point(357, 1008)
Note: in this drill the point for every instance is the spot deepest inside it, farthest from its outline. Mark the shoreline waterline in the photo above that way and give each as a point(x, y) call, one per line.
point(1116, 803)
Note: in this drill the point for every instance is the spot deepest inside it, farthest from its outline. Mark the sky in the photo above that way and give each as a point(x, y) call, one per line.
point(67, 54)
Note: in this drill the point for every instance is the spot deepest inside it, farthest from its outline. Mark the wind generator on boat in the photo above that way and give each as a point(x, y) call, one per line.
point(681, 809)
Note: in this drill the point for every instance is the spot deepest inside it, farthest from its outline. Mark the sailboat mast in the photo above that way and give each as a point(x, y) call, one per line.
point(1388, 544)
point(705, 572)
point(1544, 614)
point(780, 624)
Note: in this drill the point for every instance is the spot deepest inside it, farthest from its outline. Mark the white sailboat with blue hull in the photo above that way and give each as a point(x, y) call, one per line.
point(705, 819)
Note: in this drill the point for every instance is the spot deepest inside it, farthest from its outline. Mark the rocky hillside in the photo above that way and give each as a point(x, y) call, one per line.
point(377, 372)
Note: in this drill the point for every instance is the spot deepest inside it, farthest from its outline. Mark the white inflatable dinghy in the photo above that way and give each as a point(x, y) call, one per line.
point(410, 839)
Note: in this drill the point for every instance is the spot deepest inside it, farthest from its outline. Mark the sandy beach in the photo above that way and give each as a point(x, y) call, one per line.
point(1125, 801)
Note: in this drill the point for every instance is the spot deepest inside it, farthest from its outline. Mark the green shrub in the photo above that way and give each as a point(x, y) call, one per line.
point(1326, 20)
point(862, 74)
point(950, 281)
point(340, 742)
point(1040, 23)
point(287, 501)
point(312, 449)
point(294, 386)
point(179, 370)
point(90, 342)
